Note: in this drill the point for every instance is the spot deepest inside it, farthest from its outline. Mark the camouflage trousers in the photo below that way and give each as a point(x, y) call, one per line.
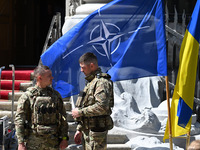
point(42, 143)
point(94, 140)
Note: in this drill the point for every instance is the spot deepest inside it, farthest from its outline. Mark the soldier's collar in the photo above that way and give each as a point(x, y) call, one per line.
point(90, 77)
point(39, 88)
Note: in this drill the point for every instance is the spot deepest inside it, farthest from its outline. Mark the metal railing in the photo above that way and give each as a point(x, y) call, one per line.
point(54, 32)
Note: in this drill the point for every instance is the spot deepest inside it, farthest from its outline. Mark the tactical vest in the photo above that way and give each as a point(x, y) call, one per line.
point(44, 114)
point(80, 101)
point(86, 98)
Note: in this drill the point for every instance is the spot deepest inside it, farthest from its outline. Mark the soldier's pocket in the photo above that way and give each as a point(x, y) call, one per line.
point(98, 137)
point(44, 130)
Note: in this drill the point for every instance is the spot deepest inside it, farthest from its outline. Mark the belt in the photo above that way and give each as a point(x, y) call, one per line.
point(52, 136)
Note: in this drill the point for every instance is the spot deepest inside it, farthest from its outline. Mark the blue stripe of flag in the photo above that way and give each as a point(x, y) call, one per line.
point(195, 23)
point(184, 113)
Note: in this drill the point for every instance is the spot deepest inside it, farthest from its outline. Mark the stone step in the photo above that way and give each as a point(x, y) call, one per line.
point(74, 147)
point(67, 99)
point(68, 106)
point(72, 126)
point(6, 105)
point(5, 113)
point(118, 147)
point(24, 86)
point(117, 138)
point(109, 147)
point(16, 95)
point(69, 116)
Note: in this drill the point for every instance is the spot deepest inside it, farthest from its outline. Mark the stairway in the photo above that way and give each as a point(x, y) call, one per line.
point(22, 82)
point(23, 79)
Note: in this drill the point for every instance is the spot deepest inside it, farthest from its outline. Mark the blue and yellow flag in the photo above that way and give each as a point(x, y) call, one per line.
point(183, 97)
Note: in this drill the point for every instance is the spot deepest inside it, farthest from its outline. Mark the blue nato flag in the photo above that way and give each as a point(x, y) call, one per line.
point(128, 38)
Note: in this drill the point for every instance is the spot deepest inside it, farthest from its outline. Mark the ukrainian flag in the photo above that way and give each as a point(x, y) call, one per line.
point(183, 97)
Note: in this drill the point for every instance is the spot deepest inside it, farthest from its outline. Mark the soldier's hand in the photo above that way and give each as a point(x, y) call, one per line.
point(77, 137)
point(63, 144)
point(75, 113)
point(21, 146)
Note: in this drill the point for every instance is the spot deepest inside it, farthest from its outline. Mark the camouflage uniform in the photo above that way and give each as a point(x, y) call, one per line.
point(41, 119)
point(94, 105)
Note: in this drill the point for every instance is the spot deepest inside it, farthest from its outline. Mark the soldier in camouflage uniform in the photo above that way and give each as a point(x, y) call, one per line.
point(40, 120)
point(93, 106)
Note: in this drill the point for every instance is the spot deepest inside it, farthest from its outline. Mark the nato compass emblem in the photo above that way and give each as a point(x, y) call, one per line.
point(102, 42)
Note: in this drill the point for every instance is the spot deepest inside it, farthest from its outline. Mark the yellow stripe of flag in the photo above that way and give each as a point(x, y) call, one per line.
point(185, 83)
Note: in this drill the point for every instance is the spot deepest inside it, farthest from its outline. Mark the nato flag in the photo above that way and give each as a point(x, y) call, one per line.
point(127, 36)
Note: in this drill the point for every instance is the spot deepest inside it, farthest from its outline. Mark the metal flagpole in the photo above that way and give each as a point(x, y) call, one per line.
point(169, 114)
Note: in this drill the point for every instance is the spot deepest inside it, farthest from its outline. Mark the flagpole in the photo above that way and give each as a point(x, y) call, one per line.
point(169, 114)
point(188, 140)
